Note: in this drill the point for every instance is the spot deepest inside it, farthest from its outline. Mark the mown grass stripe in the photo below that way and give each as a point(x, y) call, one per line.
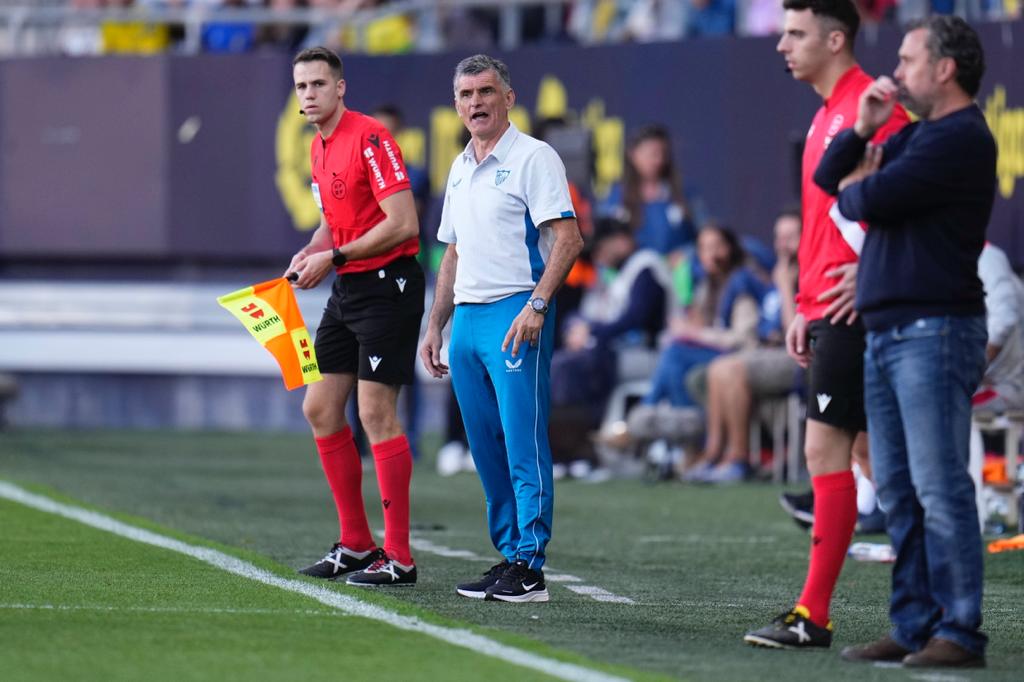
point(349, 605)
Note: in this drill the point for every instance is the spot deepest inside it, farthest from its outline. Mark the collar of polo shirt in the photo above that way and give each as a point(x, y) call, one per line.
point(500, 151)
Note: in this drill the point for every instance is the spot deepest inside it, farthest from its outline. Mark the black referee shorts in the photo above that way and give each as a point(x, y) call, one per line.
point(835, 380)
point(371, 324)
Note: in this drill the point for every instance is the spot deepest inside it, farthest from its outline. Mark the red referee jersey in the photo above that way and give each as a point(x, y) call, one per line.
point(824, 244)
point(353, 170)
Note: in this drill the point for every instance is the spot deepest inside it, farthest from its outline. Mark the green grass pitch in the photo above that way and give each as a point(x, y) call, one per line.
point(700, 566)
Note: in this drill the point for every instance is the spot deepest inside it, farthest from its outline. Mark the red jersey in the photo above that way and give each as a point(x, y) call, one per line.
point(353, 170)
point(828, 241)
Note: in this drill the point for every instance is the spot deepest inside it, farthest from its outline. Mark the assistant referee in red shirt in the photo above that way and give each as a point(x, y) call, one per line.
point(369, 236)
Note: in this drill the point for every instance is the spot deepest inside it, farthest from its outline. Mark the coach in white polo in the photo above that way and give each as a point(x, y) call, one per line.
point(512, 238)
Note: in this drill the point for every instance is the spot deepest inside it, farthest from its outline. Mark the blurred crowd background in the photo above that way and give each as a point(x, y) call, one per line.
point(91, 27)
point(152, 159)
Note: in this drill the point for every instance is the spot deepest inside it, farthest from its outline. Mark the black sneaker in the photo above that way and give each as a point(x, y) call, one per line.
point(477, 588)
point(339, 561)
point(792, 630)
point(518, 583)
point(800, 506)
point(384, 572)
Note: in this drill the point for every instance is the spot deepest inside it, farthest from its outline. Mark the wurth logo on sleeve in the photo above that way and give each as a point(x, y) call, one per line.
point(374, 167)
point(395, 165)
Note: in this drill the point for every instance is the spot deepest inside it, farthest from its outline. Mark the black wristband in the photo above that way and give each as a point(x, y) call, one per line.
point(338, 258)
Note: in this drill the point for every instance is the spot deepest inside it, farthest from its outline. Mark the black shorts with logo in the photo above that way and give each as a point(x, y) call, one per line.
point(835, 380)
point(371, 324)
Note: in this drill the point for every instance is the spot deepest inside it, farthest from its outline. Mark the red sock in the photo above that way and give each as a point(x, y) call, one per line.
point(394, 471)
point(835, 515)
point(344, 471)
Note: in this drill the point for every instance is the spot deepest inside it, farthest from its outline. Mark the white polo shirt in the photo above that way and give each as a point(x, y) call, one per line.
point(495, 213)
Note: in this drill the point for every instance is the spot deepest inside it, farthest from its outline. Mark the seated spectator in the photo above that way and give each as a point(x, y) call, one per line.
point(760, 18)
point(627, 306)
point(1002, 386)
point(285, 35)
point(713, 324)
point(133, 37)
point(708, 18)
point(228, 36)
point(83, 39)
point(735, 380)
point(650, 196)
point(652, 21)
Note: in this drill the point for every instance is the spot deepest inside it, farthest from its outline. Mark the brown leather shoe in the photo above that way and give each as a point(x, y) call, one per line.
point(942, 653)
point(885, 649)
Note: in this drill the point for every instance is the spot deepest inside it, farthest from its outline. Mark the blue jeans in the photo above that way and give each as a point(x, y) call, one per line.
point(918, 382)
point(668, 382)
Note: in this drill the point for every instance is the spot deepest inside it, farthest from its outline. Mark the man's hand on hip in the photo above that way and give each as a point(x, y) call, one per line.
point(842, 294)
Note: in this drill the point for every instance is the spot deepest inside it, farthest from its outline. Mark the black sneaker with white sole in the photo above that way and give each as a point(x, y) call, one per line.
point(791, 630)
point(339, 561)
point(477, 589)
point(800, 506)
point(518, 583)
point(384, 572)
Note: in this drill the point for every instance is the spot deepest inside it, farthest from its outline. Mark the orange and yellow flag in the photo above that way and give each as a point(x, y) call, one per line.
point(270, 313)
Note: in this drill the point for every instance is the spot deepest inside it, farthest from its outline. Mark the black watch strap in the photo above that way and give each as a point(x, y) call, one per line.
point(338, 258)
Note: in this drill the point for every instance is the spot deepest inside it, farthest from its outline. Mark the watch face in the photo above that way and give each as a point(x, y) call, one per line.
point(537, 304)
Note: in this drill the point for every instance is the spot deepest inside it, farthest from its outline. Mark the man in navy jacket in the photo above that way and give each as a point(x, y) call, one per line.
point(927, 195)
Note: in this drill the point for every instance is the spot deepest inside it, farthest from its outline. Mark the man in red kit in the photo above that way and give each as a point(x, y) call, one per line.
point(825, 335)
point(368, 235)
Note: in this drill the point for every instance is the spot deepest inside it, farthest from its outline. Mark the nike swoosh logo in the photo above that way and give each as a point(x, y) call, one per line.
point(530, 587)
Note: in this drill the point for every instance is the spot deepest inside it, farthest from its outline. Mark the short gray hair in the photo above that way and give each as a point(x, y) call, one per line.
point(479, 63)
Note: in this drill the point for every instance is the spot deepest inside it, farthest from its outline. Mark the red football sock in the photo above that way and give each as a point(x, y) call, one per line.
point(344, 471)
point(835, 515)
point(394, 471)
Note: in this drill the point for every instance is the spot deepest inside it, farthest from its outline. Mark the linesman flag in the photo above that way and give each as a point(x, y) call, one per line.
point(269, 311)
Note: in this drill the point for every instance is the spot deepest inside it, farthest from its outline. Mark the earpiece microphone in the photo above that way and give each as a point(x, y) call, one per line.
point(301, 112)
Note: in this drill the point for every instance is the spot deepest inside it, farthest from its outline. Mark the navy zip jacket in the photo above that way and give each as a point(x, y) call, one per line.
point(927, 208)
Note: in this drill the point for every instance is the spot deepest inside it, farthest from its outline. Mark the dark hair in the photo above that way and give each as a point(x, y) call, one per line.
point(737, 255)
point(952, 37)
point(606, 227)
point(479, 63)
point(632, 198)
point(841, 14)
point(321, 54)
point(790, 211)
point(391, 110)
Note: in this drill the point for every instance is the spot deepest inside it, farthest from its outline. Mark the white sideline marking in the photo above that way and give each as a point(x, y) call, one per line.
point(599, 594)
point(169, 609)
point(344, 603)
point(429, 547)
point(562, 578)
